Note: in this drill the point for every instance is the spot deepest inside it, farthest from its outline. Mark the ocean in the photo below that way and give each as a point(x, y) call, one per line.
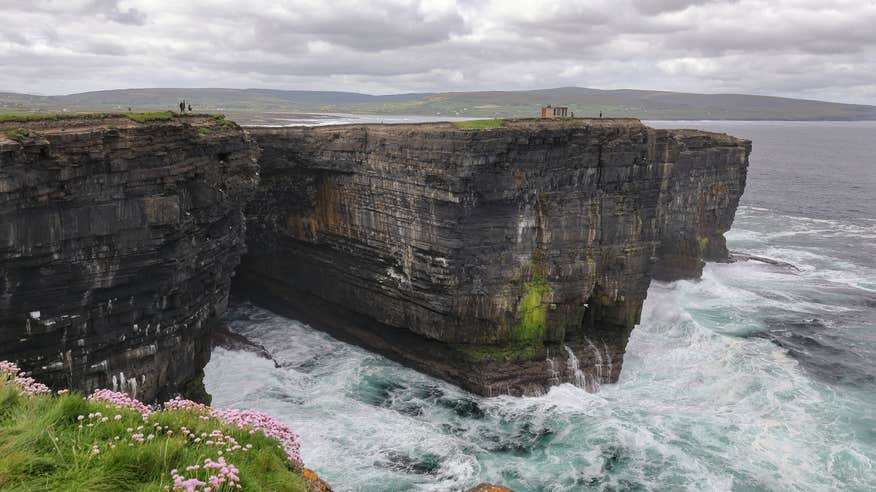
point(759, 376)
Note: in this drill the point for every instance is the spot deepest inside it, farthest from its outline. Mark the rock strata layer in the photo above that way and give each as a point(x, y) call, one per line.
point(118, 241)
point(504, 260)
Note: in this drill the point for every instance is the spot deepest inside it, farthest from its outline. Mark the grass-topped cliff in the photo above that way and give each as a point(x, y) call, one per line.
point(24, 126)
point(110, 442)
point(138, 117)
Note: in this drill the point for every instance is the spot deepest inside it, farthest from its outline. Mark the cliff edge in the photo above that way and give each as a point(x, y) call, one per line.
point(504, 260)
point(118, 239)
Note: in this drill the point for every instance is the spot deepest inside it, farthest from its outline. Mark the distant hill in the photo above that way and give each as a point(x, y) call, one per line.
point(642, 104)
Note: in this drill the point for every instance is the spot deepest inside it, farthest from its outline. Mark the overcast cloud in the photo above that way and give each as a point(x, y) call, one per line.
point(819, 49)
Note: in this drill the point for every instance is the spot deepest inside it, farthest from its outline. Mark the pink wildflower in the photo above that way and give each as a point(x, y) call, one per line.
point(268, 425)
point(187, 405)
point(120, 400)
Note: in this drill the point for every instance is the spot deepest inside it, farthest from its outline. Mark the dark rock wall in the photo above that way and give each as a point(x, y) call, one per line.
point(502, 260)
point(118, 241)
point(485, 257)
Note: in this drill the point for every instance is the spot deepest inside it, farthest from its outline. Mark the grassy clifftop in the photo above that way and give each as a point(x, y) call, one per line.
point(110, 442)
point(138, 117)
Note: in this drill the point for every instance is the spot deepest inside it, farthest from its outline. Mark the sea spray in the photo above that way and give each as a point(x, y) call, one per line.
point(573, 368)
point(597, 364)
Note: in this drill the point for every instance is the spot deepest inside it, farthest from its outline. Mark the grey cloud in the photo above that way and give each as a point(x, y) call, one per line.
point(662, 6)
point(106, 9)
point(111, 10)
point(783, 47)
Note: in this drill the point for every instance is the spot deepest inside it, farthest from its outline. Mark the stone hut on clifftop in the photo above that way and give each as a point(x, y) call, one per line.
point(554, 111)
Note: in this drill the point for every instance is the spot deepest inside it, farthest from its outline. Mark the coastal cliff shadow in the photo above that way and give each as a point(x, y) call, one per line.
point(399, 345)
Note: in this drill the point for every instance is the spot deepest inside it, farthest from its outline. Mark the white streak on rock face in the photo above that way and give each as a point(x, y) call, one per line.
point(608, 358)
point(35, 315)
point(576, 376)
point(115, 383)
point(524, 221)
point(597, 364)
point(398, 277)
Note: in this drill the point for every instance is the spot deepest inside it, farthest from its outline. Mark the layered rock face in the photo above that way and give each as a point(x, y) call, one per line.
point(118, 241)
point(503, 260)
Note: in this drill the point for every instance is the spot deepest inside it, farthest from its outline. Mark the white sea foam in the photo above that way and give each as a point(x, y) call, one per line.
point(703, 402)
point(695, 410)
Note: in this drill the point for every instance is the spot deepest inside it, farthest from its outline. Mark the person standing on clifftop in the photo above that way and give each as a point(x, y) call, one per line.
point(182, 106)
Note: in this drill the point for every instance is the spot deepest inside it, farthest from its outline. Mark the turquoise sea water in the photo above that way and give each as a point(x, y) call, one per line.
point(757, 377)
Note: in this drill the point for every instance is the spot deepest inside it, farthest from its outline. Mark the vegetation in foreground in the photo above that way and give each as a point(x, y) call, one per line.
point(478, 124)
point(111, 442)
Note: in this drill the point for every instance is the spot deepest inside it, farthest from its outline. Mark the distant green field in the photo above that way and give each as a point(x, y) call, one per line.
point(478, 124)
point(583, 102)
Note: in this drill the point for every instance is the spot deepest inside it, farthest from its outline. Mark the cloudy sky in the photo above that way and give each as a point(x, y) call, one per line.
point(819, 49)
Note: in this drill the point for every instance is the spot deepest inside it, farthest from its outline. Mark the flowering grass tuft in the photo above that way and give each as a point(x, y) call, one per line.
point(120, 400)
point(10, 374)
point(110, 441)
point(269, 426)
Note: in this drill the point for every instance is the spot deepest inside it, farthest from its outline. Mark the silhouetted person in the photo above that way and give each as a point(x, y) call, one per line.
point(600, 114)
point(182, 106)
point(190, 108)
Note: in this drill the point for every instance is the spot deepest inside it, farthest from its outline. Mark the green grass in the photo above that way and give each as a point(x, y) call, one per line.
point(29, 116)
point(146, 117)
point(478, 124)
point(20, 134)
point(43, 448)
point(134, 116)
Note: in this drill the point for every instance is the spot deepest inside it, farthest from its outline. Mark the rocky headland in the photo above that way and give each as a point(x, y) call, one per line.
point(502, 259)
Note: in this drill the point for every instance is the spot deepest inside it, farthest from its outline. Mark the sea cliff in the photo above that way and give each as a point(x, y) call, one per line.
point(119, 236)
point(504, 260)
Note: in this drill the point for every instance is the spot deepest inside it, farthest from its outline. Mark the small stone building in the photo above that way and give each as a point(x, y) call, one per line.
point(554, 111)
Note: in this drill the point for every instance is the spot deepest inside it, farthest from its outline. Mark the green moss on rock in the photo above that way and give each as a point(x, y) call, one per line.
point(531, 309)
point(702, 244)
point(501, 353)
